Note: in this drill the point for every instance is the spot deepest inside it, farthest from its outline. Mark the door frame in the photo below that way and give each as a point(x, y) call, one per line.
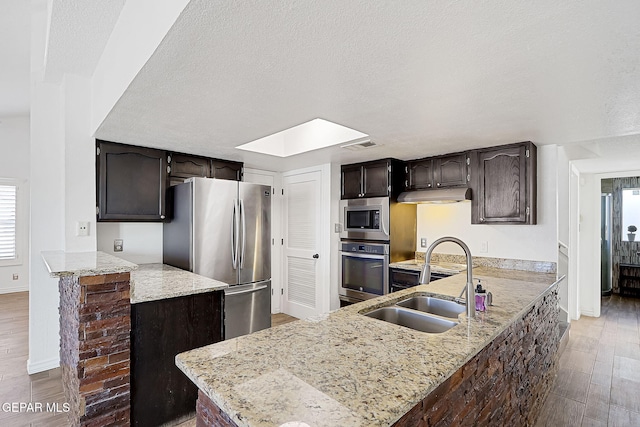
point(324, 262)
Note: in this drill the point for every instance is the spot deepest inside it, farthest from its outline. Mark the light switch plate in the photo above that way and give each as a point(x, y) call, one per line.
point(337, 227)
point(484, 248)
point(117, 245)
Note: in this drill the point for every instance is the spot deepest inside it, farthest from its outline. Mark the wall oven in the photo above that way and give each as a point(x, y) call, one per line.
point(366, 219)
point(365, 270)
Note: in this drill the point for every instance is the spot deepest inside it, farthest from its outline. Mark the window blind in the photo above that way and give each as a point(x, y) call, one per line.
point(8, 221)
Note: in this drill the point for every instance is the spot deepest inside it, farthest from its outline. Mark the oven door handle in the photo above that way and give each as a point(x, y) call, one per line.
point(357, 255)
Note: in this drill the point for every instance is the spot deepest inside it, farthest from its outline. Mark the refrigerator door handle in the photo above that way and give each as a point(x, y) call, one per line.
point(244, 232)
point(234, 237)
point(246, 291)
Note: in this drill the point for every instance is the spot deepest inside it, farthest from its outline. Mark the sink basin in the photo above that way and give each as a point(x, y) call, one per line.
point(412, 319)
point(432, 305)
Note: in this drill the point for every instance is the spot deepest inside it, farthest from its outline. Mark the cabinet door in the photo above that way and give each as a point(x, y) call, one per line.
point(505, 192)
point(351, 178)
point(184, 166)
point(132, 183)
point(420, 174)
point(226, 169)
point(375, 179)
point(160, 392)
point(450, 171)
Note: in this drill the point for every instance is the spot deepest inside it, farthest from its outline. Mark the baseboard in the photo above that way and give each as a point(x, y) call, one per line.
point(14, 289)
point(589, 313)
point(43, 365)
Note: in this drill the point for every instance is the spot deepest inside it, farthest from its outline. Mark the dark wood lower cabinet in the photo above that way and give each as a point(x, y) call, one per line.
point(160, 330)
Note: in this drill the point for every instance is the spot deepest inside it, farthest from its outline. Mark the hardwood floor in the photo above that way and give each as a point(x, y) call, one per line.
point(281, 319)
point(598, 382)
point(16, 386)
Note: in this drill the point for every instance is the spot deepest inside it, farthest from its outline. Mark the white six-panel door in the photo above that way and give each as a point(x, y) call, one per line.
point(302, 244)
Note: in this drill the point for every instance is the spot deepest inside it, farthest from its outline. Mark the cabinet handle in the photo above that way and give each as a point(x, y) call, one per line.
point(437, 184)
point(316, 256)
point(406, 184)
point(481, 219)
point(429, 185)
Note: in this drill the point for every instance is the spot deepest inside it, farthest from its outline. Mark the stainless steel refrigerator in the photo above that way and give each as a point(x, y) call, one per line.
point(222, 229)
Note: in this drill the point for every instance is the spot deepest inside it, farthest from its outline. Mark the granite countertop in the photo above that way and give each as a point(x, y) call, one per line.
point(349, 369)
point(151, 282)
point(60, 263)
point(418, 265)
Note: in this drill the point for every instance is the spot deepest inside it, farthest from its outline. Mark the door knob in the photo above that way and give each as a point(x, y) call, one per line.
point(316, 256)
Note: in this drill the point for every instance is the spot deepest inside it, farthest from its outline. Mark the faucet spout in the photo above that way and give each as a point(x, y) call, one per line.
point(425, 275)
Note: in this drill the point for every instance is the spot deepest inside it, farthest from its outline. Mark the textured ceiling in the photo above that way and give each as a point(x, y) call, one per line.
point(420, 77)
point(78, 32)
point(15, 32)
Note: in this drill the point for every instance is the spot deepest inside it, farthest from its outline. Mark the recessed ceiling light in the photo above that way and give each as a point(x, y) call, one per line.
point(309, 136)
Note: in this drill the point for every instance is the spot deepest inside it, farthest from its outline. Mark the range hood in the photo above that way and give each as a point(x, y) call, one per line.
point(444, 195)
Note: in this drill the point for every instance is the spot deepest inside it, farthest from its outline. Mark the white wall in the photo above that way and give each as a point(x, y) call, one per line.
point(527, 242)
point(62, 191)
point(14, 164)
point(142, 241)
point(47, 204)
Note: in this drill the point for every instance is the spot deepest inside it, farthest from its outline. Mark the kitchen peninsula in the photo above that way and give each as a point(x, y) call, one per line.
point(118, 325)
point(349, 369)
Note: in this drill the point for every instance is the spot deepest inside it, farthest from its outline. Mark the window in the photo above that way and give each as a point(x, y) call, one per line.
point(8, 208)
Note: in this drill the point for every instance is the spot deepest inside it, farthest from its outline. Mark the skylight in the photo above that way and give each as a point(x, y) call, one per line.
point(309, 136)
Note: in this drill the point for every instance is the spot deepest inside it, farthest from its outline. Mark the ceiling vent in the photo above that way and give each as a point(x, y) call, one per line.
point(360, 145)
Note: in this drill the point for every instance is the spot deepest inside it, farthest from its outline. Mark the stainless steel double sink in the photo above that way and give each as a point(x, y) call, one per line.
point(417, 313)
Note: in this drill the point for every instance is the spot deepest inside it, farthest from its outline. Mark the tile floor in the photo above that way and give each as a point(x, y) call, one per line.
point(598, 381)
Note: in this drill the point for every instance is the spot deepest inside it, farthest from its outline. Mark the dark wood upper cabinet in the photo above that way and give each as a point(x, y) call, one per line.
point(183, 166)
point(504, 187)
point(226, 169)
point(131, 182)
point(420, 174)
point(379, 178)
point(375, 179)
point(351, 178)
point(451, 170)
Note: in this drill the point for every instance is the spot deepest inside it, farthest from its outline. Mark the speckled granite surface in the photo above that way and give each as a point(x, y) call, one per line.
point(151, 282)
point(348, 369)
point(61, 263)
point(504, 263)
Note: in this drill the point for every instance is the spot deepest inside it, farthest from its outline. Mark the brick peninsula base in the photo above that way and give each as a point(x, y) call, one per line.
point(506, 383)
point(95, 328)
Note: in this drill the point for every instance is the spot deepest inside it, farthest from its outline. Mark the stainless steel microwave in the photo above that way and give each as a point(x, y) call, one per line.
point(365, 219)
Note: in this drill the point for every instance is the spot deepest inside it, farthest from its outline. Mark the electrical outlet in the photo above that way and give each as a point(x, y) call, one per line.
point(484, 248)
point(337, 227)
point(423, 242)
point(117, 245)
point(82, 228)
point(15, 276)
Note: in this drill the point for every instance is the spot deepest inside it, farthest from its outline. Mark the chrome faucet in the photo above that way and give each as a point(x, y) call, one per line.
point(425, 275)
